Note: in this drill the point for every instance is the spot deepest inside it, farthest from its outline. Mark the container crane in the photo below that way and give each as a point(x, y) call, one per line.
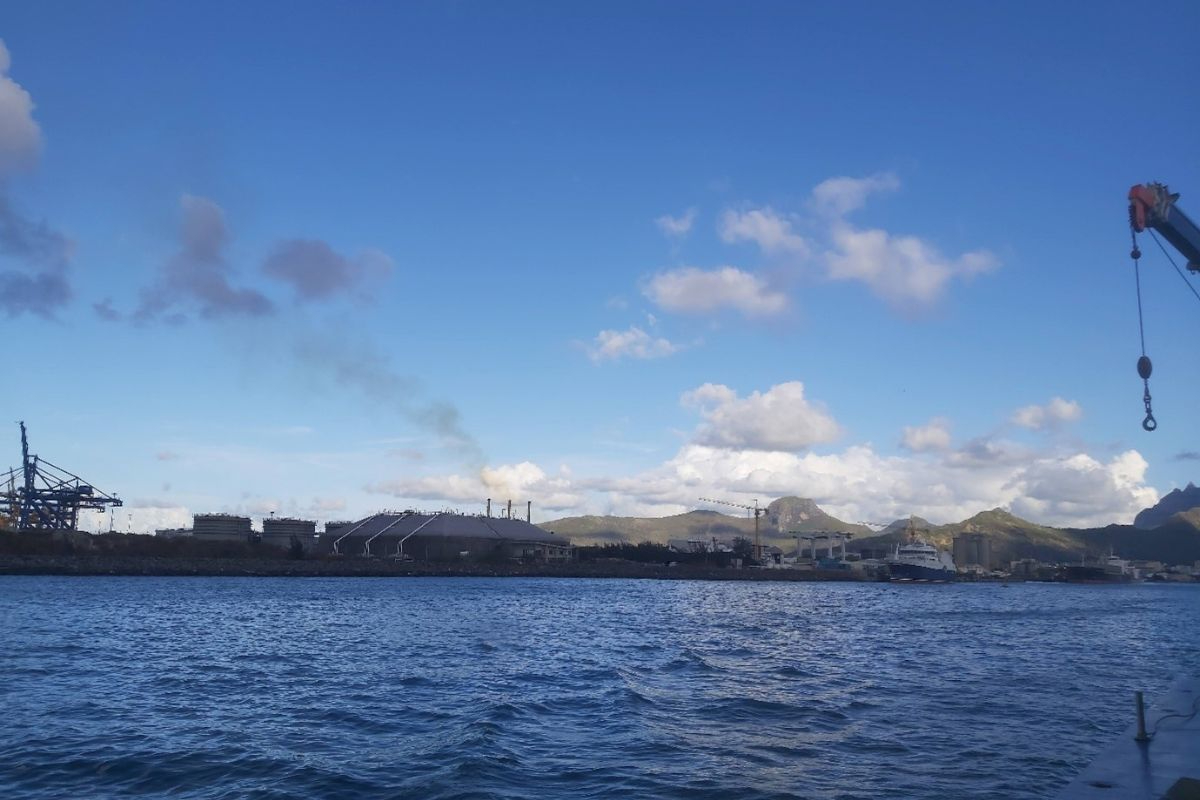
point(48, 497)
point(1152, 206)
point(758, 512)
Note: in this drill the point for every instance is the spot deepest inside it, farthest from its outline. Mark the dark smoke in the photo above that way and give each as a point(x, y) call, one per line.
point(315, 271)
point(371, 375)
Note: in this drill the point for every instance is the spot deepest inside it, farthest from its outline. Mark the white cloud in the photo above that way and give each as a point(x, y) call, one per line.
point(779, 419)
point(857, 483)
point(694, 291)
point(610, 345)
point(1081, 491)
point(1052, 415)
point(770, 231)
point(905, 271)
point(677, 227)
point(908, 272)
point(517, 482)
point(840, 196)
point(20, 136)
point(933, 436)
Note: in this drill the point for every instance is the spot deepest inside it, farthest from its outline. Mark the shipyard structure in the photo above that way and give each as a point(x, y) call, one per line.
point(397, 535)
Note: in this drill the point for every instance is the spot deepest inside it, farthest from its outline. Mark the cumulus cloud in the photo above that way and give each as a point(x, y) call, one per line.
point(689, 290)
point(933, 436)
point(315, 271)
point(1079, 490)
point(758, 447)
point(198, 275)
point(518, 482)
point(772, 232)
point(905, 271)
point(1049, 416)
point(677, 227)
point(20, 136)
point(856, 483)
point(611, 345)
point(779, 419)
point(840, 196)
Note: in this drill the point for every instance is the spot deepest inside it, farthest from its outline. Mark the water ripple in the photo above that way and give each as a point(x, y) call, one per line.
point(213, 688)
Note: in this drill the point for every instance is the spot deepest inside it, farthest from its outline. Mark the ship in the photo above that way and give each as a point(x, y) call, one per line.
point(917, 560)
point(1113, 570)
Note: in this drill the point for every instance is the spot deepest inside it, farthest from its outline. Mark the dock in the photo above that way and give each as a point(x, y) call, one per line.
point(1164, 767)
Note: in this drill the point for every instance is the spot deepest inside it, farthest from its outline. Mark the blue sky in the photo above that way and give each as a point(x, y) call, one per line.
point(321, 260)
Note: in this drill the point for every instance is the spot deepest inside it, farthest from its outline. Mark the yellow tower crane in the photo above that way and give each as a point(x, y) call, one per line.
point(758, 512)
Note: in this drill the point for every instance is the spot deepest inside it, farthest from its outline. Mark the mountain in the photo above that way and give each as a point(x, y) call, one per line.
point(1176, 540)
point(789, 514)
point(1175, 502)
point(777, 523)
point(593, 530)
point(1011, 537)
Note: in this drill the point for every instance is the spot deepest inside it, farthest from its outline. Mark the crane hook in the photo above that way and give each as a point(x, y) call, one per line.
point(1144, 368)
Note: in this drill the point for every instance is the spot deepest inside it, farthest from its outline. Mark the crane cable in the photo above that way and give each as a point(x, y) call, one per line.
point(1144, 367)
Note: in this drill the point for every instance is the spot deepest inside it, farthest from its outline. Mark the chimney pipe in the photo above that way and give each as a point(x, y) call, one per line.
point(528, 510)
point(489, 511)
point(510, 509)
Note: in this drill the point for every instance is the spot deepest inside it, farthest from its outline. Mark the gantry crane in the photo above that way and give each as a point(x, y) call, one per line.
point(47, 497)
point(758, 512)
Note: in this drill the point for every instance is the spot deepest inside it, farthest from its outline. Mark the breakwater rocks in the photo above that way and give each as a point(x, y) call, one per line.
point(370, 568)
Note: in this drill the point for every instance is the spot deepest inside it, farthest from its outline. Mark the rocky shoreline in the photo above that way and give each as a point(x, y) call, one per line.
point(160, 566)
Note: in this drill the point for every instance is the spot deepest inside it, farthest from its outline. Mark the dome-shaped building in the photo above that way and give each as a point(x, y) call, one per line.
point(444, 537)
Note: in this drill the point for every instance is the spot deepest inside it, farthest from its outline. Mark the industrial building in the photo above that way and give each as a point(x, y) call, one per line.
point(444, 537)
point(973, 549)
point(281, 532)
point(221, 527)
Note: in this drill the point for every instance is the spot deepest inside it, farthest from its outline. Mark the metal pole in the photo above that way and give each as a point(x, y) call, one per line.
point(1142, 736)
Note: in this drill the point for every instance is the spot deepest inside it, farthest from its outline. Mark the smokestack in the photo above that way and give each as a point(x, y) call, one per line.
point(489, 511)
point(510, 509)
point(528, 510)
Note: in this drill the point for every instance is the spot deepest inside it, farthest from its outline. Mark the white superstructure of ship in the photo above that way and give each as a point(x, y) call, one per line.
point(916, 560)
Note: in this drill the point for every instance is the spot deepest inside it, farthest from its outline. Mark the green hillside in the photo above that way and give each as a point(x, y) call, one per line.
point(776, 523)
point(1175, 542)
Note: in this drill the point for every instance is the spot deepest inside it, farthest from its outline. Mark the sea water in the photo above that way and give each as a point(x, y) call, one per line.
point(557, 688)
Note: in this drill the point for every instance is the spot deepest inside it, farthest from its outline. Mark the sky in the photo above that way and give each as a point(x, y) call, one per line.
point(319, 259)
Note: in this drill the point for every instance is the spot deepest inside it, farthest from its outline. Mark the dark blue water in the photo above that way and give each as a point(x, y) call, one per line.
point(457, 688)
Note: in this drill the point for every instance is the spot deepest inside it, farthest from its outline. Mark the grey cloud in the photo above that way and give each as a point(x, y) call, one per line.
point(1186, 455)
point(38, 285)
point(34, 243)
point(315, 271)
point(198, 275)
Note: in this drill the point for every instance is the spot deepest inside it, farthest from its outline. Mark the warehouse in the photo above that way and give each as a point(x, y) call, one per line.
point(445, 537)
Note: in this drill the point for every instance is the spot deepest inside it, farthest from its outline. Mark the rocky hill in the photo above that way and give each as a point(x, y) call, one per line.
point(1173, 503)
point(1013, 537)
point(1176, 540)
point(778, 521)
